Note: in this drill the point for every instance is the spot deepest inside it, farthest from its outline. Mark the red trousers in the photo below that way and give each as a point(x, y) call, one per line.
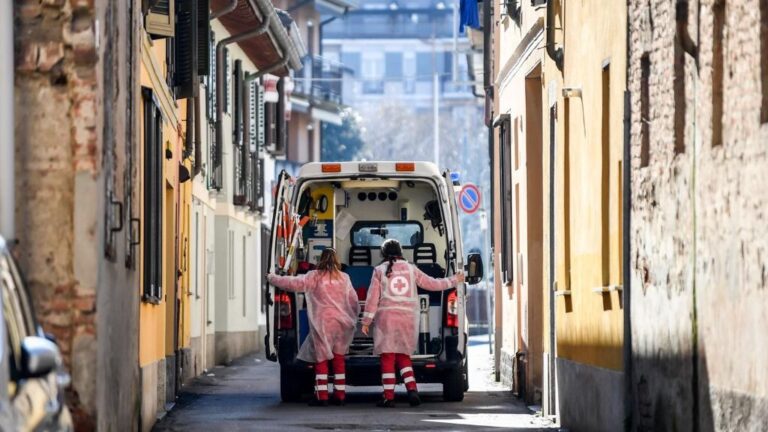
point(388, 380)
point(339, 378)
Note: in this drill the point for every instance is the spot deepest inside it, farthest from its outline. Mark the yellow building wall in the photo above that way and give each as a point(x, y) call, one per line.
point(155, 335)
point(589, 324)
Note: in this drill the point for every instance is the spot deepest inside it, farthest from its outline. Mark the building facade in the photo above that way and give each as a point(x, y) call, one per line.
point(558, 213)
point(698, 76)
point(118, 173)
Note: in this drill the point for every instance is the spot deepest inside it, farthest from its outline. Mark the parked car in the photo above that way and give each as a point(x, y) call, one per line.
point(32, 379)
point(354, 207)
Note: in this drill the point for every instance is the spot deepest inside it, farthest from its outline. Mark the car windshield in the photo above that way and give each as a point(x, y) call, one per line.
point(373, 234)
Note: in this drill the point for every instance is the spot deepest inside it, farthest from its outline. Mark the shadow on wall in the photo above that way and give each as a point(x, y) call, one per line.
point(672, 394)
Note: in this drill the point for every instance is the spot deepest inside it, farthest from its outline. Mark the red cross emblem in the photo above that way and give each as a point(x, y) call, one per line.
point(399, 286)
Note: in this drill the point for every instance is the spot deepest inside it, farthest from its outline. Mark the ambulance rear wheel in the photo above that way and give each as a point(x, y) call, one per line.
point(290, 390)
point(453, 385)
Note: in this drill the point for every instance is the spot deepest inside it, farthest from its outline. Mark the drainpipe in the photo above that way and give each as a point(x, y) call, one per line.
point(225, 10)
point(555, 54)
point(275, 66)
point(220, 96)
point(626, 292)
point(7, 158)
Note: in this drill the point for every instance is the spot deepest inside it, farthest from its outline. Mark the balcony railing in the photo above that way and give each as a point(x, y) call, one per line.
point(320, 79)
point(392, 24)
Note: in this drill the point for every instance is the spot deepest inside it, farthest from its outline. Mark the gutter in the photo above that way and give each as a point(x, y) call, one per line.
point(290, 49)
point(7, 142)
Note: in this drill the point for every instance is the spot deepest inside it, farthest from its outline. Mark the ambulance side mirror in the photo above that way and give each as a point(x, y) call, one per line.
point(474, 268)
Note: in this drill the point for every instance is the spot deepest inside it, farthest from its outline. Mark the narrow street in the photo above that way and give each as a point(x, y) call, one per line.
point(245, 396)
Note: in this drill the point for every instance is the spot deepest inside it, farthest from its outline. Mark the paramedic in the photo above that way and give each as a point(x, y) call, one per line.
point(333, 308)
point(394, 304)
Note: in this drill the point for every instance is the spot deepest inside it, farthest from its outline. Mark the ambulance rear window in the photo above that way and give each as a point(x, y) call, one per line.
point(373, 234)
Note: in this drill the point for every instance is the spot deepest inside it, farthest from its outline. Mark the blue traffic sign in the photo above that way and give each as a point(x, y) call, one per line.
point(469, 198)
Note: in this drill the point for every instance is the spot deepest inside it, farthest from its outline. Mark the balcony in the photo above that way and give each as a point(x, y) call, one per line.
point(320, 80)
point(392, 24)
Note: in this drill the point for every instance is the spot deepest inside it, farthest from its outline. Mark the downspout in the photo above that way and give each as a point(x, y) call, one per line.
point(626, 292)
point(7, 157)
point(220, 96)
point(225, 10)
point(555, 54)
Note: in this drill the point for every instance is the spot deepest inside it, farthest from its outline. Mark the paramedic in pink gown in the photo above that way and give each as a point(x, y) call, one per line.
point(393, 304)
point(332, 307)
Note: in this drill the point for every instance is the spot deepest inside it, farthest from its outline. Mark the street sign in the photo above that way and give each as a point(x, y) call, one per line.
point(469, 198)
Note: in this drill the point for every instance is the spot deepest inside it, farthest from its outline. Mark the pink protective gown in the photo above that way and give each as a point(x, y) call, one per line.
point(332, 308)
point(393, 302)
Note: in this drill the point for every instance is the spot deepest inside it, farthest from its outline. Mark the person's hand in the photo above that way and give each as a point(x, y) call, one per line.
point(366, 329)
point(460, 277)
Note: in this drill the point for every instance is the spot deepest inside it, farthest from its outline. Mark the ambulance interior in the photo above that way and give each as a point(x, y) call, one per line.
point(355, 217)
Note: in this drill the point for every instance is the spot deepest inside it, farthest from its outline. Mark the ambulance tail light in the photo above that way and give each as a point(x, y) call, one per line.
point(452, 310)
point(331, 168)
point(286, 310)
point(405, 167)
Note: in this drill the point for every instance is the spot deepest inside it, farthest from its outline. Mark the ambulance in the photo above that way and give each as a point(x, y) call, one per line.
point(353, 207)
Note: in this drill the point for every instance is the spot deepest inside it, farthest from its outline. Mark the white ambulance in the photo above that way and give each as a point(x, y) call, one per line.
point(353, 207)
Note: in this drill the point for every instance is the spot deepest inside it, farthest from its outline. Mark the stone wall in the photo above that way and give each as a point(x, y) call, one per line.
point(60, 188)
point(699, 238)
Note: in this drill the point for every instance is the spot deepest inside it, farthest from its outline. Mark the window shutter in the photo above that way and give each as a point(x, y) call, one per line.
point(211, 87)
point(227, 80)
point(203, 36)
point(260, 118)
point(237, 127)
point(159, 20)
point(186, 50)
point(253, 138)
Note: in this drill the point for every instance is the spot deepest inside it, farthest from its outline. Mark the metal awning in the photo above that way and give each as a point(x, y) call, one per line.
point(280, 42)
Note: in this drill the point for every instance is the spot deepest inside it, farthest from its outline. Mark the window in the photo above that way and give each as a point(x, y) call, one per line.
point(424, 66)
point(231, 264)
point(718, 12)
point(505, 143)
point(605, 174)
point(159, 20)
point(764, 58)
point(394, 65)
point(153, 199)
point(679, 92)
point(373, 234)
point(645, 110)
point(352, 61)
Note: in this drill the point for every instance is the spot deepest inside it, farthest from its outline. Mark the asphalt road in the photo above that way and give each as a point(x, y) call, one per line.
point(244, 396)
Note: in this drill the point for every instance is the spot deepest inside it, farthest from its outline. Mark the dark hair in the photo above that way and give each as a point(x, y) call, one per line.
point(329, 262)
point(391, 252)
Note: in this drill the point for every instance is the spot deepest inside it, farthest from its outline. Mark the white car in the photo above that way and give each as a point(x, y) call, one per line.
point(32, 380)
point(354, 207)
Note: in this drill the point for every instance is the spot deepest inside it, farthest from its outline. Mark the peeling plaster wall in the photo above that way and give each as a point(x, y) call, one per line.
point(61, 107)
point(699, 238)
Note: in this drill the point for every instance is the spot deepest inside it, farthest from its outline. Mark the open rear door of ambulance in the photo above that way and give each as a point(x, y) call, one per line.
point(282, 195)
point(457, 250)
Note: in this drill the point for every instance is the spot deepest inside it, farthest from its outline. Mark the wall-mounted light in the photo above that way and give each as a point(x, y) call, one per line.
point(569, 92)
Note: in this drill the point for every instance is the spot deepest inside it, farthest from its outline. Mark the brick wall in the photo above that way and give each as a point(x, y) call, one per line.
point(698, 245)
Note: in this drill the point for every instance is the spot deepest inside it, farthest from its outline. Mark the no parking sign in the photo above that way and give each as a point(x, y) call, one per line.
point(469, 198)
